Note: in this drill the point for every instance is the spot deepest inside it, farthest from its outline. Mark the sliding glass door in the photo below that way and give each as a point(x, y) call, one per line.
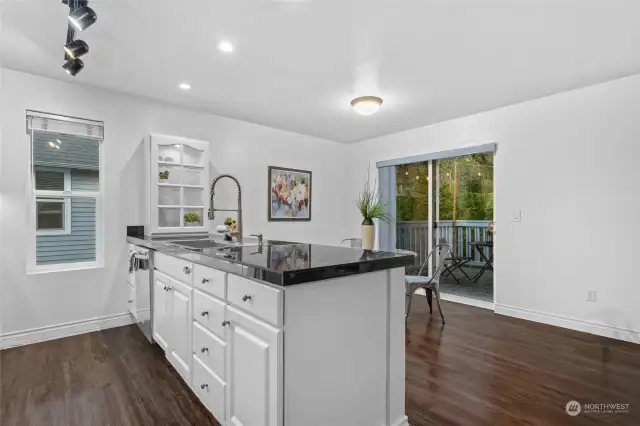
point(445, 198)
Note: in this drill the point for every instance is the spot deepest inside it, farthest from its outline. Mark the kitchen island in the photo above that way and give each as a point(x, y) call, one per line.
point(284, 334)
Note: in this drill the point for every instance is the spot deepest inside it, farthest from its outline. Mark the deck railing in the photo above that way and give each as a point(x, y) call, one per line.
point(412, 235)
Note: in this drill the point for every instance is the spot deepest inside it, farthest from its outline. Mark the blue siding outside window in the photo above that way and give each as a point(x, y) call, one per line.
point(79, 157)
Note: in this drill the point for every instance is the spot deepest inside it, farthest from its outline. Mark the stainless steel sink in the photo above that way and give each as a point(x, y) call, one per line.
point(204, 244)
point(198, 245)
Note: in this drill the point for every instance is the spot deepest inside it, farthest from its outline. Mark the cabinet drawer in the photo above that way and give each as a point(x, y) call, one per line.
point(257, 299)
point(210, 389)
point(209, 312)
point(209, 280)
point(132, 300)
point(174, 267)
point(209, 349)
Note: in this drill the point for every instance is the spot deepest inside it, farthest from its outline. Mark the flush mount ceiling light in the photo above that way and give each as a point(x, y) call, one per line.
point(225, 46)
point(366, 105)
point(82, 17)
point(185, 86)
point(76, 48)
point(73, 66)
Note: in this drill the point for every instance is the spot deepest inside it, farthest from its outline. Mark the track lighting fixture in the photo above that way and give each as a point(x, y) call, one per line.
point(76, 48)
point(82, 17)
point(73, 66)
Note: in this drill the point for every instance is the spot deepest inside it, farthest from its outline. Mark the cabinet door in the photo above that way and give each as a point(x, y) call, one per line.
point(181, 328)
point(161, 309)
point(255, 371)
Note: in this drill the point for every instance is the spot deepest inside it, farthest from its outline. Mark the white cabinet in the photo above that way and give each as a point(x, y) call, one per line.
point(172, 317)
point(255, 371)
point(180, 354)
point(161, 310)
point(178, 178)
point(230, 357)
point(210, 389)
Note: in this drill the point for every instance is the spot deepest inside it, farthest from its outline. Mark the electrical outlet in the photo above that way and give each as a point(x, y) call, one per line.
point(591, 295)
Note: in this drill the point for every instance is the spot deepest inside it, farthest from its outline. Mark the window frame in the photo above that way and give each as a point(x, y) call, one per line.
point(54, 197)
point(32, 195)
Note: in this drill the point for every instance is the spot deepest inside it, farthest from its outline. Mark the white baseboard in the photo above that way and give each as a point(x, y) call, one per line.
point(570, 323)
point(42, 334)
point(402, 421)
point(460, 299)
point(467, 301)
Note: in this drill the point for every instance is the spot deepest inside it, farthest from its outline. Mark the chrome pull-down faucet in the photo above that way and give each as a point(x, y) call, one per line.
point(239, 209)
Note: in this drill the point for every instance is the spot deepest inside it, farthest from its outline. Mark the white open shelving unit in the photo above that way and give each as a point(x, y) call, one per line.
point(178, 184)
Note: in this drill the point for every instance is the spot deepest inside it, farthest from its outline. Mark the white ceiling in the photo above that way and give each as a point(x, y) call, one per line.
point(298, 63)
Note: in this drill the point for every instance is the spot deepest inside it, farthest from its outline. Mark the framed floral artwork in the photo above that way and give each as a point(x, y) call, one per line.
point(289, 194)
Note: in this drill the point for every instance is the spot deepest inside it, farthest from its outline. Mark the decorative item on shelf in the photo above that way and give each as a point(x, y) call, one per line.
point(289, 194)
point(164, 175)
point(168, 159)
point(232, 228)
point(192, 219)
point(371, 207)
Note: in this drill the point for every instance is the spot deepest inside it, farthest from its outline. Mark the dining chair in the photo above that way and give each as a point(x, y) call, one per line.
point(429, 284)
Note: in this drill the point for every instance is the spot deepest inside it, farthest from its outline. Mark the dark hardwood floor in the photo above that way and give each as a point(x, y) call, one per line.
point(113, 377)
point(479, 369)
point(487, 369)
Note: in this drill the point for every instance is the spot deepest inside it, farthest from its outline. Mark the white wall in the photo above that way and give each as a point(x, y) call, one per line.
point(570, 162)
point(240, 148)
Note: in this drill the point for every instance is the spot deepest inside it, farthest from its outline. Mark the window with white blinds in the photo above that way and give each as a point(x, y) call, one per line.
point(65, 182)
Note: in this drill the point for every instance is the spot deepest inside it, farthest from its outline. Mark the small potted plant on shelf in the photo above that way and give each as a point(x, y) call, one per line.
point(232, 229)
point(164, 175)
point(192, 219)
point(371, 207)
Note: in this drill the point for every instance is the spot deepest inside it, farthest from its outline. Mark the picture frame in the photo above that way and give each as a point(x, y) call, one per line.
point(288, 194)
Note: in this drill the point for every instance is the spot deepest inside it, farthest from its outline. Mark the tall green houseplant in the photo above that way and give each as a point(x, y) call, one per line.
point(371, 207)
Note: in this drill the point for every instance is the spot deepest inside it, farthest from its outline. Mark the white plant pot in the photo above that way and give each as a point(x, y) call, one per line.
point(368, 232)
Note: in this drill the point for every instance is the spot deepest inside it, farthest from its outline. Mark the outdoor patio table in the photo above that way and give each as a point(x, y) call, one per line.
point(488, 261)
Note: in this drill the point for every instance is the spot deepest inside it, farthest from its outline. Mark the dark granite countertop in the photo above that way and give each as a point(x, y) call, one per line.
point(283, 264)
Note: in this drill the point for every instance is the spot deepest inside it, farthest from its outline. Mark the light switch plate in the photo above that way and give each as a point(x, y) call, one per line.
point(516, 216)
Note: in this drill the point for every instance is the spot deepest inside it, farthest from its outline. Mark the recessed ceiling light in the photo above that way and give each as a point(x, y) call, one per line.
point(185, 86)
point(225, 46)
point(366, 105)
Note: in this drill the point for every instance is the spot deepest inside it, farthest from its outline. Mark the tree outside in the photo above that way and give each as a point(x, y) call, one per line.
point(474, 201)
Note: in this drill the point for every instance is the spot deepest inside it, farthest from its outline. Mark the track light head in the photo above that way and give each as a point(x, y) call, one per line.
point(76, 48)
point(82, 17)
point(73, 66)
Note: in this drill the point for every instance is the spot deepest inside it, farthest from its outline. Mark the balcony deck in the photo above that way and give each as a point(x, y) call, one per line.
point(413, 236)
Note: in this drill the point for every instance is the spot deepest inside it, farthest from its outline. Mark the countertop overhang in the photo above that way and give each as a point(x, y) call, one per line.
point(284, 264)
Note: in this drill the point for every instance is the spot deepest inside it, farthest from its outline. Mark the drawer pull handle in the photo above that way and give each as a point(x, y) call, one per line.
point(246, 297)
point(204, 386)
point(203, 349)
point(225, 322)
point(186, 270)
point(165, 288)
point(205, 280)
point(204, 313)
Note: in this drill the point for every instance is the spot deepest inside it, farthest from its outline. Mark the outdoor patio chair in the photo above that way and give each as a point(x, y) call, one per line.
point(429, 284)
point(455, 263)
